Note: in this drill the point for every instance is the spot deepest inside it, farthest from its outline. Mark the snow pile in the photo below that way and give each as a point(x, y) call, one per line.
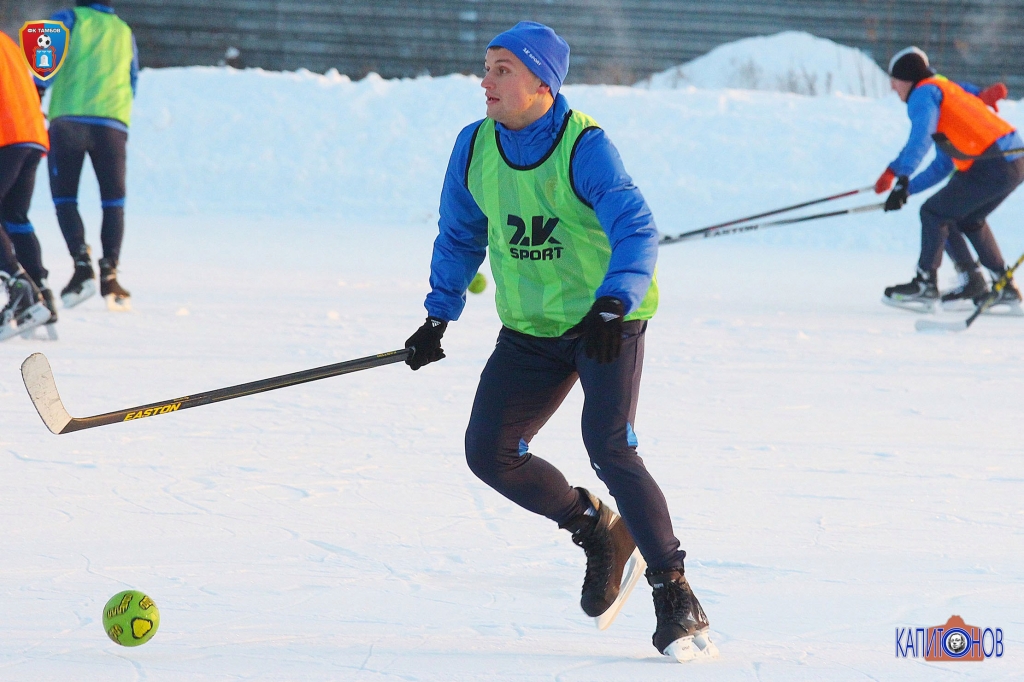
point(321, 149)
point(792, 61)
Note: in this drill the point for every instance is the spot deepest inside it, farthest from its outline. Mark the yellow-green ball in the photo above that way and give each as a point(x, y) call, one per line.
point(130, 618)
point(478, 284)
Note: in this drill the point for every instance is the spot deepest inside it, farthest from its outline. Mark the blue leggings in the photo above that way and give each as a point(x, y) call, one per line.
point(523, 383)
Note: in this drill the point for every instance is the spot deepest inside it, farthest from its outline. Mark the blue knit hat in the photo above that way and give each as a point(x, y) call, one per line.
point(540, 48)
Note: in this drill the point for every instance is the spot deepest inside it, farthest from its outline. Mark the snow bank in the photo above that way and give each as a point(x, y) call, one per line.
point(792, 61)
point(319, 149)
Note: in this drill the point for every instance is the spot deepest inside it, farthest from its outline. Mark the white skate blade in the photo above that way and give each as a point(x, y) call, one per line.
point(118, 304)
point(71, 300)
point(34, 316)
point(631, 572)
point(918, 306)
point(1005, 310)
point(962, 305)
point(697, 646)
point(33, 334)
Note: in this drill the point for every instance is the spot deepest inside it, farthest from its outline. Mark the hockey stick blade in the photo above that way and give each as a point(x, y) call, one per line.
point(42, 389)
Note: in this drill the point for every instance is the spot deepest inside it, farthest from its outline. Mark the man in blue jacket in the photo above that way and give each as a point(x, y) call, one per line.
point(572, 247)
point(977, 188)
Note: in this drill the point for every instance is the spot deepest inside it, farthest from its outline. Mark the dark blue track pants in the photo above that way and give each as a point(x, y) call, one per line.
point(523, 383)
point(70, 141)
point(18, 241)
point(963, 206)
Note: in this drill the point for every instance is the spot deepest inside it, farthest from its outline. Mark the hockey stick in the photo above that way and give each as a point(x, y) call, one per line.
point(42, 389)
point(704, 234)
point(986, 303)
point(712, 228)
point(944, 143)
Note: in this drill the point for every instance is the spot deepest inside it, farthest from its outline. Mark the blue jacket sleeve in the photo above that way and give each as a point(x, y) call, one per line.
point(461, 243)
point(923, 110)
point(134, 68)
point(600, 179)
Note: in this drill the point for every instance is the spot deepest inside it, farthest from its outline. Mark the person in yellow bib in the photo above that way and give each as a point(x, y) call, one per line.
point(90, 110)
point(572, 245)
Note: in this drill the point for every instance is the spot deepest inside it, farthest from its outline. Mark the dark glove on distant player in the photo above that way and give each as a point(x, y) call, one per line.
point(898, 195)
point(601, 329)
point(426, 343)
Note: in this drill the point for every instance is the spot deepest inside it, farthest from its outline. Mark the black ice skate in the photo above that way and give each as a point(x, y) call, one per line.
point(614, 564)
point(83, 281)
point(919, 294)
point(25, 308)
point(1008, 299)
point(116, 296)
point(682, 630)
point(970, 287)
point(51, 305)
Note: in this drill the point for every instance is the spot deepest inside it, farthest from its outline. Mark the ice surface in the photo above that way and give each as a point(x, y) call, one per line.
point(833, 474)
point(792, 61)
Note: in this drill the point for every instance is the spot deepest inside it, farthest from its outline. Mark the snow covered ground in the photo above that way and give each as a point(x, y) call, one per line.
point(833, 474)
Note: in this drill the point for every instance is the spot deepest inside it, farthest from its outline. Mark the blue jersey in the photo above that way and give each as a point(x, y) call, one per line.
point(599, 178)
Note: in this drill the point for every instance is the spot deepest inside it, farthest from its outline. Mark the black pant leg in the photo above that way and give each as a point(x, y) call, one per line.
point(14, 215)
point(523, 383)
point(609, 410)
point(108, 154)
point(68, 143)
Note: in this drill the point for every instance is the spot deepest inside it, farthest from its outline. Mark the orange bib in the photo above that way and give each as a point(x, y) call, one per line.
point(966, 121)
point(21, 119)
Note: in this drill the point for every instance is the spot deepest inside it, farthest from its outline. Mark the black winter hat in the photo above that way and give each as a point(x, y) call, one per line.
point(910, 64)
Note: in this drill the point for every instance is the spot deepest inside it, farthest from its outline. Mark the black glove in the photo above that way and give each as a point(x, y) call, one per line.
point(601, 329)
point(426, 343)
point(898, 195)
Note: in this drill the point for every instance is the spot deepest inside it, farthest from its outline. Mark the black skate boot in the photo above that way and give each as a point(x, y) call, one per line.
point(971, 286)
point(682, 630)
point(116, 296)
point(1007, 297)
point(51, 304)
point(614, 564)
point(83, 281)
point(25, 308)
point(919, 294)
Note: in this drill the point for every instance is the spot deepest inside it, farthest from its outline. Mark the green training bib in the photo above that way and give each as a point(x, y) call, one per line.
point(96, 77)
point(547, 249)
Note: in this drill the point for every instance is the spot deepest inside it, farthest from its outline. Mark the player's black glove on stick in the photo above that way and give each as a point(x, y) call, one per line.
point(601, 329)
point(898, 195)
point(426, 343)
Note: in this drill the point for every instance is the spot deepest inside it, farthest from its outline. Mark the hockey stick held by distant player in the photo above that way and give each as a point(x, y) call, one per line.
point(944, 144)
point(986, 303)
point(711, 231)
point(704, 234)
point(42, 389)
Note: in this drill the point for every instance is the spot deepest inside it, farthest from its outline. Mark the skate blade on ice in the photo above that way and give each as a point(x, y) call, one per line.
point(631, 572)
point(1006, 309)
point(118, 304)
point(32, 335)
point(915, 306)
point(33, 317)
point(963, 305)
point(70, 300)
point(697, 646)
